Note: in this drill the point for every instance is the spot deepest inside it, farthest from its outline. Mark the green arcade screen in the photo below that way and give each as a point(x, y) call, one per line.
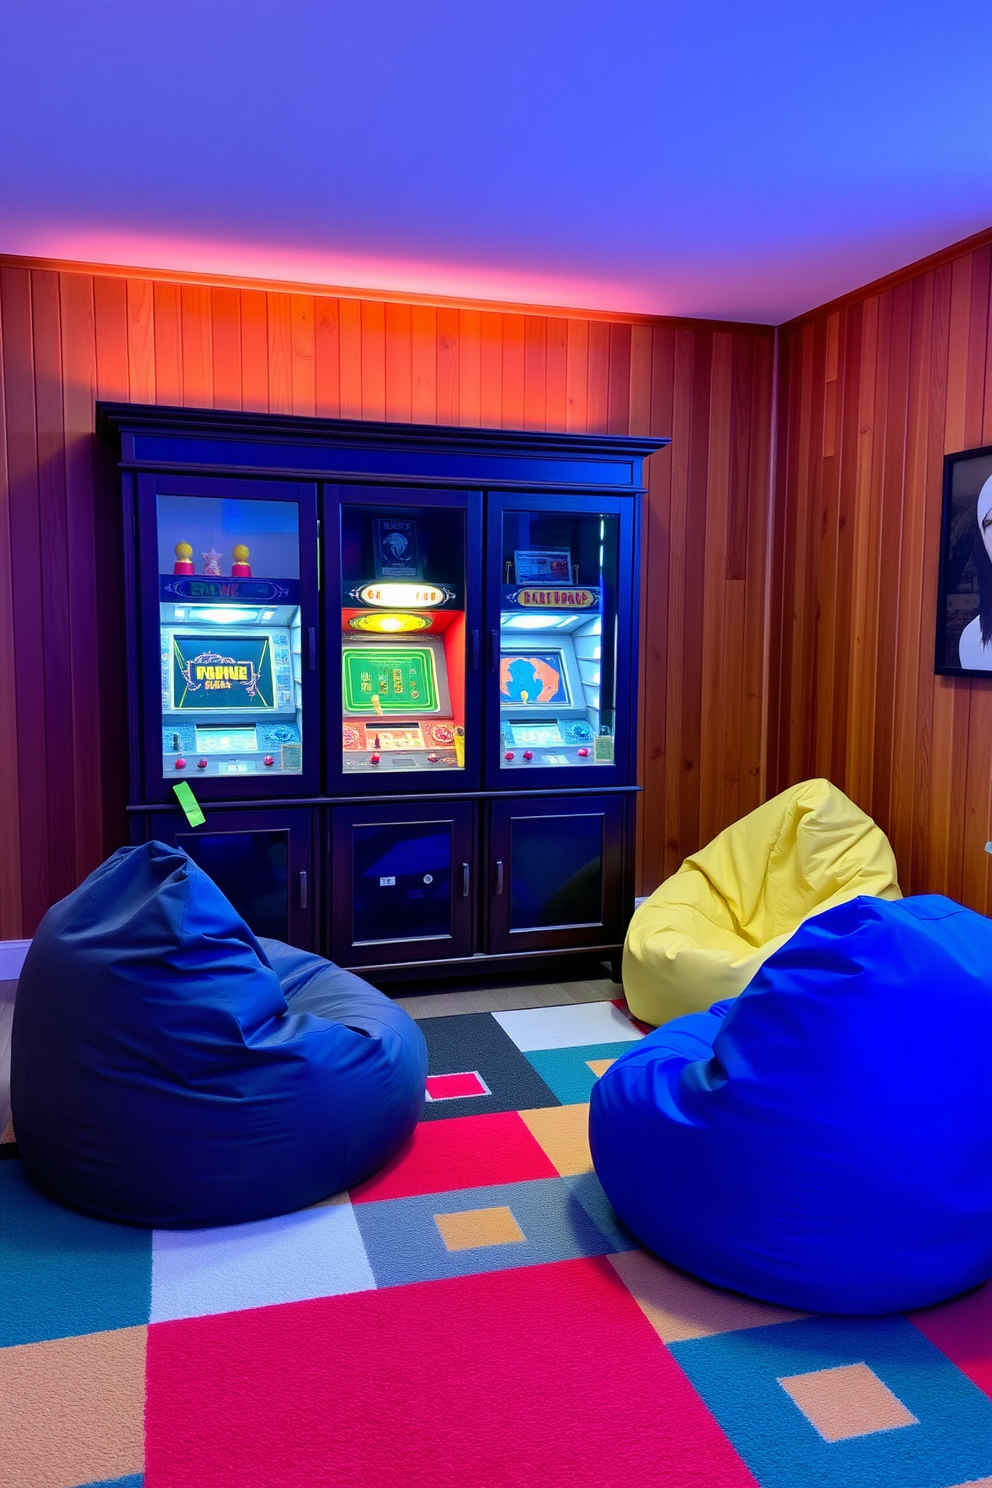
point(401, 678)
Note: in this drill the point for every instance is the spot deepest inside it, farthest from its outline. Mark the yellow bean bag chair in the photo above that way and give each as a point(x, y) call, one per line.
point(702, 935)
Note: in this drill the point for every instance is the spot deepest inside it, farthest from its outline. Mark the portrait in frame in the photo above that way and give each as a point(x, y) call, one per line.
point(964, 588)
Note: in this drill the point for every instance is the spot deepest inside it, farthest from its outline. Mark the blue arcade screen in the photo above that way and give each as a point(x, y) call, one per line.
point(230, 672)
point(533, 679)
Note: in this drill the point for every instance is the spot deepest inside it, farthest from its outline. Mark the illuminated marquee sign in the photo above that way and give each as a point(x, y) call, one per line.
point(205, 590)
point(399, 596)
point(556, 599)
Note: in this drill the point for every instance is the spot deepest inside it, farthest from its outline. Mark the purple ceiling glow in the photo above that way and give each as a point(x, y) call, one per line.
point(680, 157)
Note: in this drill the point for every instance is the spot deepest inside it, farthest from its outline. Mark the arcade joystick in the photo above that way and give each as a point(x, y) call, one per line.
point(528, 754)
point(373, 759)
point(432, 758)
point(180, 764)
point(201, 764)
point(508, 755)
point(583, 753)
point(268, 760)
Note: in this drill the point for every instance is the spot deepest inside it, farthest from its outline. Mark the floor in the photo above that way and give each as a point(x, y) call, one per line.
point(473, 1312)
point(485, 997)
point(470, 997)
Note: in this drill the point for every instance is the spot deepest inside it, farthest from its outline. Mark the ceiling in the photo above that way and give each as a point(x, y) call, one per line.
point(745, 160)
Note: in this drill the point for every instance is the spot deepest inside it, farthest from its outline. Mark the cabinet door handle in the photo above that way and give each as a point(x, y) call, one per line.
point(303, 891)
point(494, 650)
point(476, 648)
point(499, 877)
point(312, 648)
point(466, 877)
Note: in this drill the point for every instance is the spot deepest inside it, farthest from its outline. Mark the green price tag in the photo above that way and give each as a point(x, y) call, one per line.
point(189, 803)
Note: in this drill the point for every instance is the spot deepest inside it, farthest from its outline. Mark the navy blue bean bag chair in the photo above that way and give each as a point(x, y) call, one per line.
point(823, 1141)
point(169, 1069)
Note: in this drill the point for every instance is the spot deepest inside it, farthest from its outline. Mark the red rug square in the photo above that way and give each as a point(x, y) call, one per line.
point(962, 1330)
point(544, 1377)
point(463, 1152)
point(456, 1087)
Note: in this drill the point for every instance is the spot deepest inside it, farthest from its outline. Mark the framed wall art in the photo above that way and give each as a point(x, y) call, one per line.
point(964, 589)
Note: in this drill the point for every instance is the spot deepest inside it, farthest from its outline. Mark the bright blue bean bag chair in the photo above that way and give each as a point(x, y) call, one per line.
point(823, 1141)
point(169, 1069)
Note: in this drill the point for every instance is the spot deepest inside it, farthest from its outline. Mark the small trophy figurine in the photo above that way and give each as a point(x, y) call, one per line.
point(240, 568)
point(184, 559)
point(211, 564)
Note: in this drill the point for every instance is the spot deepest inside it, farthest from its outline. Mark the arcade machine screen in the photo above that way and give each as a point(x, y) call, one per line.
point(557, 670)
point(403, 639)
point(229, 613)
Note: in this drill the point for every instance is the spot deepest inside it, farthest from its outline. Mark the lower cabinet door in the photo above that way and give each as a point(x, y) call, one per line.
point(261, 860)
point(555, 873)
point(402, 882)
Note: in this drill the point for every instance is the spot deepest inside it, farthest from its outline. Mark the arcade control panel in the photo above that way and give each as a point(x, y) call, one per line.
point(551, 741)
point(418, 744)
point(232, 749)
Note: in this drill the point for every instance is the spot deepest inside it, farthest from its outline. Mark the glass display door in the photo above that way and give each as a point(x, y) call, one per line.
point(402, 882)
point(403, 625)
point(261, 860)
point(555, 872)
point(559, 663)
point(228, 587)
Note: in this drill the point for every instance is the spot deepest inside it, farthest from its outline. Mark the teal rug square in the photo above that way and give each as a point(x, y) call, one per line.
point(61, 1273)
point(566, 1072)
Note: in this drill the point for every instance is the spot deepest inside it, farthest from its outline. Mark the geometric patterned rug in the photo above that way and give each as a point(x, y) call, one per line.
point(474, 1316)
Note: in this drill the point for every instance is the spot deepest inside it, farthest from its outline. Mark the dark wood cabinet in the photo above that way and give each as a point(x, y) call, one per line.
point(555, 873)
point(397, 667)
point(403, 882)
point(263, 860)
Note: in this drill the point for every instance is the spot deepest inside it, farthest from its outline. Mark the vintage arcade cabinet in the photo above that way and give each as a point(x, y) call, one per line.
point(383, 679)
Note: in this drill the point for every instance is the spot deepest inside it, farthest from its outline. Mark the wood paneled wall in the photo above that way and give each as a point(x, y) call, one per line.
point(872, 394)
point(68, 337)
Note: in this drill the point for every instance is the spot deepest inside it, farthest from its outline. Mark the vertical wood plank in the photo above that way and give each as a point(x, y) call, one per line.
point(141, 340)
point(327, 358)
point(423, 330)
point(254, 351)
point(350, 334)
point(598, 378)
point(168, 342)
point(96, 777)
point(577, 377)
point(640, 379)
point(618, 393)
point(654, 852)
point(513, 371)
point(26, 589)
point(198, 372)
point(470, 368)
point(373, 360)
point(11, 917)
point(447, 366)
point(556, 386)
point(225, 341)
point(303, 334)
point(399, 363)
point(535, 372)
point(491, 370)
point(57, 676)
point(279, 314)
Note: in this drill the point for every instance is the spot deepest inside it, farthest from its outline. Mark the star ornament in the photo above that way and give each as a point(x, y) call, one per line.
point(211, 562)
